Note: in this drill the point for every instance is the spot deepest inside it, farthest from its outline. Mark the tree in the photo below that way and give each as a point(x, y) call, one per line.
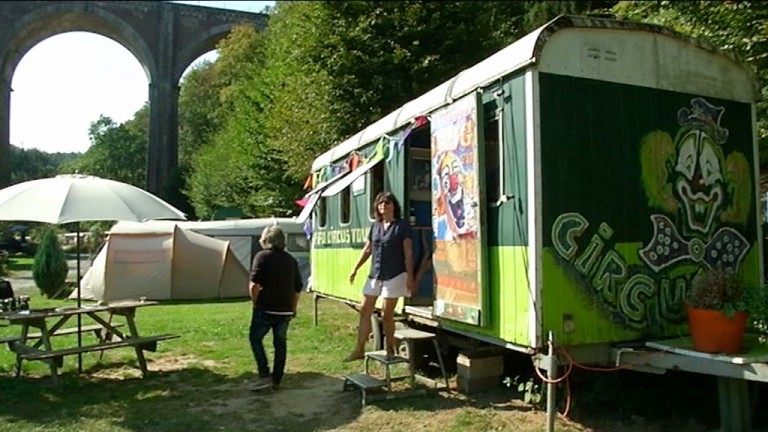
point(30, 164)
point(117, 151)
point(50, 268)
point(227, 170)
point(334, 67)
point(199, 110)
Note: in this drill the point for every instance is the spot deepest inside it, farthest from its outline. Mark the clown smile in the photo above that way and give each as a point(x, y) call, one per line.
point(700, 207)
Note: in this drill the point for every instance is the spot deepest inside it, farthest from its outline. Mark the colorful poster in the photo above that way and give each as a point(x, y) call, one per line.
point(456, 218)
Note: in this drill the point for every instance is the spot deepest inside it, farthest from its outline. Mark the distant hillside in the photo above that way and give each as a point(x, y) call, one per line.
point(29, 164)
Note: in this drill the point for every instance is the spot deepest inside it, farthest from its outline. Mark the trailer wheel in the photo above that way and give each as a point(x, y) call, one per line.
point(377, 332)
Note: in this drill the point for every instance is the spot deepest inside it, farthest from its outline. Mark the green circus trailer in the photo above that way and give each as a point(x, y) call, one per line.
point(575, 182)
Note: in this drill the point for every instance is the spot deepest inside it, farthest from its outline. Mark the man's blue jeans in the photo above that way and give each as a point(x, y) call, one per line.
point(261, 324)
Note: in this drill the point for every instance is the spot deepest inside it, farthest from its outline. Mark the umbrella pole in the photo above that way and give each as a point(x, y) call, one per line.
point(79, 316)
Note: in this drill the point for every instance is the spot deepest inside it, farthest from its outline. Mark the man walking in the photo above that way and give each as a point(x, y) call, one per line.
point(274, 288)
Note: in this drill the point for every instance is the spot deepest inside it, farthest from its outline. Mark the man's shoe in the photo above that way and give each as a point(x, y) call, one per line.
point(262, 384)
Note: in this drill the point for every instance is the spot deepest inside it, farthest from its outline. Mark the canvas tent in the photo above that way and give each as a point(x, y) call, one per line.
point(242, 235)
point(163, 261)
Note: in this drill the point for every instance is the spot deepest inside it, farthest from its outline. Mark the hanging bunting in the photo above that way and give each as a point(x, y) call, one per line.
point(417, 122)
point(381, 148)
point(309, 182)
point(354, 160)
point(308, 228)
point(391, 142)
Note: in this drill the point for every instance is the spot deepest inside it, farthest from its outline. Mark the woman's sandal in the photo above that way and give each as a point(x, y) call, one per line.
point(391, 355)
point(353, 357)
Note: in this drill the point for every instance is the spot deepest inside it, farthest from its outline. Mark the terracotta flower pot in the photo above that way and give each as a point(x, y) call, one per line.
point(713, 332)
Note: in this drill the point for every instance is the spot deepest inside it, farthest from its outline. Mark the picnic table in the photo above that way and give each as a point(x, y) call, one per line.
point(50, 323)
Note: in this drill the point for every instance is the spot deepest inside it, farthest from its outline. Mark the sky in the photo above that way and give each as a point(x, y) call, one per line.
point(65, 82)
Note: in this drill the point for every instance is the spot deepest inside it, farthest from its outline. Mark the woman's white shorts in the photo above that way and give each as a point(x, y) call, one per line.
point(392, 288)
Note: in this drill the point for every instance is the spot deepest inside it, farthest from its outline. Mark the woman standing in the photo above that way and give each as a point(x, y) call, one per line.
point(391, 277)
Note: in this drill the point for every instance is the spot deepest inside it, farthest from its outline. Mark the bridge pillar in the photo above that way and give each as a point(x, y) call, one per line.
point(162, 150)
point(5, 133)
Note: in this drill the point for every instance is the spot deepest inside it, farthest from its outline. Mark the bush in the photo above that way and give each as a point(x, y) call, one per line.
point(50, 267)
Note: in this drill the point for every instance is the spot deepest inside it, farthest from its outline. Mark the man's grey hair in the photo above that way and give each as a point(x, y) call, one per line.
point(272, 238)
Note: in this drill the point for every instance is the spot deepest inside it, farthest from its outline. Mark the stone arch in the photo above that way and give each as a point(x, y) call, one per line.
point(204, 43)
point(164, 37)
point(50, 21)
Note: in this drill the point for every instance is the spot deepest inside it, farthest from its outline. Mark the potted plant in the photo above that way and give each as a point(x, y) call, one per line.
point(719, 307)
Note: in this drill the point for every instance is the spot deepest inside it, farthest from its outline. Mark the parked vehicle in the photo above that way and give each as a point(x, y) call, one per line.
point(574, 182)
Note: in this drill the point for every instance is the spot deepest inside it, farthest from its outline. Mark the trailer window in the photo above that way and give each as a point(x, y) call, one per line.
point(322, 219)
point(345, 205)
point(297, 243)
point(376, 185)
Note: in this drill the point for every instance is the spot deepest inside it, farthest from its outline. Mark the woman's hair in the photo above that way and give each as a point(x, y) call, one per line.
point(272, 238)
point(385, 196)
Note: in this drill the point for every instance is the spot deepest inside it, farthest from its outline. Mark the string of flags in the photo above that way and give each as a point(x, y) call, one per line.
point(385, 148)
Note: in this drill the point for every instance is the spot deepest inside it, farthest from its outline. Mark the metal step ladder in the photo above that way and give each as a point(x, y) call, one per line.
point(366, 382)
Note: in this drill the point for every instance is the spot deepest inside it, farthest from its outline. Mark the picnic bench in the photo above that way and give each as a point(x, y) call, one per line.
point(38, 346)
point(98, 330)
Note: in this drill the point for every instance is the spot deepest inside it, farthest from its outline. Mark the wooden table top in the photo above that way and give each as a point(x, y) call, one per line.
point(23, 315)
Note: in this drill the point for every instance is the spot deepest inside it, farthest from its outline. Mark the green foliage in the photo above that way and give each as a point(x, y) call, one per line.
point(538, 13)
point(725, 291)
point(118, 151)
point(97, 235)
point(30, 164)
point(227, 169)
point(199, 110)
point(718, 290)
point(50, 268)
point(252, 123)
point(531, 391)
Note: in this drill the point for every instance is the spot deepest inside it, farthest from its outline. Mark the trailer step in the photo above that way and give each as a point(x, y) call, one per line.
point(363, 381)
point(409, 333)
point(381, 357)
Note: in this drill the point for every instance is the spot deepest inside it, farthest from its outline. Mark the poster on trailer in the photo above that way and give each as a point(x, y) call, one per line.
point(455, 212)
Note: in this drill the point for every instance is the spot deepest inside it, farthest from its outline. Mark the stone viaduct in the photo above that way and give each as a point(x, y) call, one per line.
point(164, 37)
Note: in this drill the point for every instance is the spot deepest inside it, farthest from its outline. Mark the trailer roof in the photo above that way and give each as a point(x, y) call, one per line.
point(220, 227)
point(516, 56)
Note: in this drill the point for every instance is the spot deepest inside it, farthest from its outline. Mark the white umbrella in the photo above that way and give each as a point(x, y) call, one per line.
point(76, 198)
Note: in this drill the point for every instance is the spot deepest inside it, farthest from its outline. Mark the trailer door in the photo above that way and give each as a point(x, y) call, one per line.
point(458, 217)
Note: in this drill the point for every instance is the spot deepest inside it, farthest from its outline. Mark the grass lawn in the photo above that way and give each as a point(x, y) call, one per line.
point(18, 264)
point(200, 382)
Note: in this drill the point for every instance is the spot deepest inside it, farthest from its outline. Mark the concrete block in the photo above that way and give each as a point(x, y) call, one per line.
point(474, 365)
point(475, 385)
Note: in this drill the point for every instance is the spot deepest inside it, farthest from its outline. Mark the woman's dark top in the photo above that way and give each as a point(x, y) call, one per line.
point(278, 274)
point(387, 256)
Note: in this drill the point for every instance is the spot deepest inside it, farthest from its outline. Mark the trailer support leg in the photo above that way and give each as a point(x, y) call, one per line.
point(551, 385)
point(735, 412)
point(315, 299)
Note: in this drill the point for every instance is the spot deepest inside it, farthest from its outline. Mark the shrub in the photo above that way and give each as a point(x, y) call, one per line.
point(50, 267)
point(717, 289)
point(725, 291)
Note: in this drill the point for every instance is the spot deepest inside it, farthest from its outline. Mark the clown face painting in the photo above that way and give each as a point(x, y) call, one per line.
point(702, 192)
point(452, 187)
